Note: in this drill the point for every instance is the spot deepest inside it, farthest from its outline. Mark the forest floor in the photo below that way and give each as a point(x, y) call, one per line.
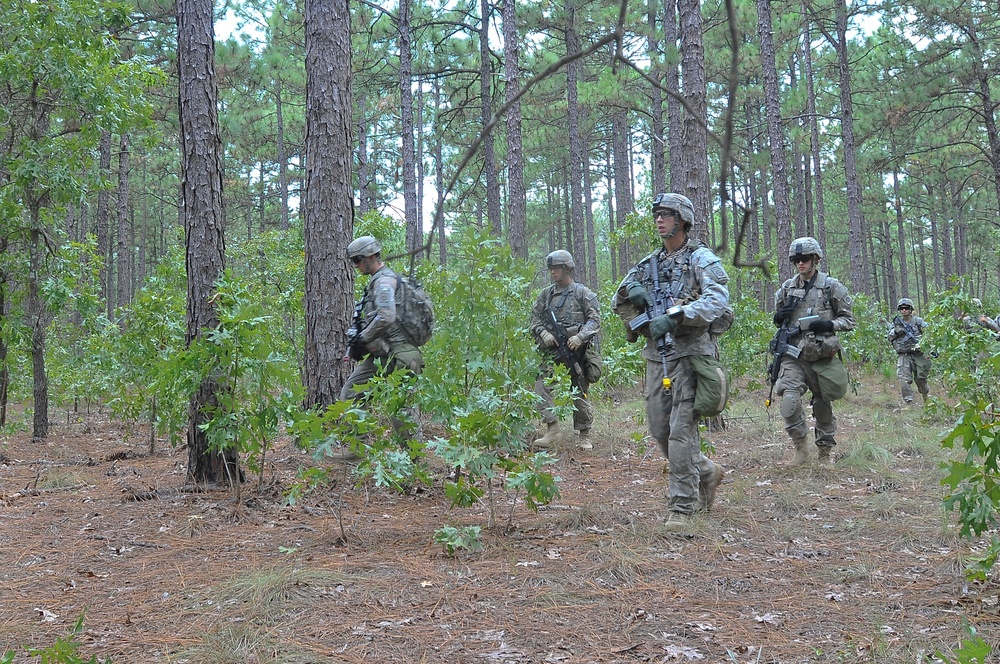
point(854, 563)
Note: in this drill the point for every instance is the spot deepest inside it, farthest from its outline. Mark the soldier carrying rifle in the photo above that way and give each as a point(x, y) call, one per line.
point(565, 321)
point(911, 364)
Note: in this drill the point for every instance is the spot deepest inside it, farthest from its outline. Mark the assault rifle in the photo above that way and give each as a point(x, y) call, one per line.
point(355, 346)
point(909, 330)
point(562, 350)
point(663, 303)
point(783, 345)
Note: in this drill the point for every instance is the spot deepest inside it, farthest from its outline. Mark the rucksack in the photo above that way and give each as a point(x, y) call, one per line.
point(414, 310)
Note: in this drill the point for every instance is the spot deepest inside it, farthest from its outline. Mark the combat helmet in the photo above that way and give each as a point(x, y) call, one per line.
point(364, 246)
point(904, 302)
point(560, 257)
point(804, 246)
point(678, 203)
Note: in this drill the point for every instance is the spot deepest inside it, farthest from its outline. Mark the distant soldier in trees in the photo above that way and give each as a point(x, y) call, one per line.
point(911, 364)
point(815, 306)
point(565, 322)
point(685, 281)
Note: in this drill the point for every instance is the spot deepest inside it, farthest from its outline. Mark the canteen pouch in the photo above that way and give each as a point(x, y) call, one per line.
point(712, 390)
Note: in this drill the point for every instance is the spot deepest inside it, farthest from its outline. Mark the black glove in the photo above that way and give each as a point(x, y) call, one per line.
point(821, 326)
point(783, 313)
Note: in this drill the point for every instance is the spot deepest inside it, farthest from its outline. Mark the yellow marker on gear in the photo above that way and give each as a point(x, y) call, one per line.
point(666, 383)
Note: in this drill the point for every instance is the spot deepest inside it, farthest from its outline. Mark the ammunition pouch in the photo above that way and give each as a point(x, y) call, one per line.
point(813, 347)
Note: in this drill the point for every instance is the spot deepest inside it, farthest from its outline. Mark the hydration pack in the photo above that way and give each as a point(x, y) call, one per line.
point(414, 310)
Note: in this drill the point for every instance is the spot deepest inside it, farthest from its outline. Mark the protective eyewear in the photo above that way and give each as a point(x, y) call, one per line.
point(357, 259)
point(906, 307)
point(800, 259)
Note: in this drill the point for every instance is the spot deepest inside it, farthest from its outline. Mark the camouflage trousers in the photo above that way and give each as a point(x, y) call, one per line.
point(795, 377)
point(407, 357)
point(674, 425)
point(583, 412)
point(910, 368)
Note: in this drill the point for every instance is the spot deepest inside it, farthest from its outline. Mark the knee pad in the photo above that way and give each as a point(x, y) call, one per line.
point(790, 404)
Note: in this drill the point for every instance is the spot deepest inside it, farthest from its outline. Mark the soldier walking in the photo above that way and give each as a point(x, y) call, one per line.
point(569, 310)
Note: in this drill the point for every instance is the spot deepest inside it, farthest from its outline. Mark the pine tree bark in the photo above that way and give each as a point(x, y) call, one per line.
point(414, 227)
point(329, 200)
point(576, 155)
point(201, 196)
point(856, 223)
point(517, 203)
point(776, 136)
point(103, 245)
point(123, 290)
point(657, 142)
point(486, 109)
point(695, 139)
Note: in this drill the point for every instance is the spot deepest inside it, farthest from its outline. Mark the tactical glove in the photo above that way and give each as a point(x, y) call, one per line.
point(783, 313)
point(638, 296)
point(575, 342)
point(548, 339)
point(821, 326)
point(662, 325)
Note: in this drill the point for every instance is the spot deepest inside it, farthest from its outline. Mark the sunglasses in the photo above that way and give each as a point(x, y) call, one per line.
point(800, 259)
point(906, 308)
point(357, 259)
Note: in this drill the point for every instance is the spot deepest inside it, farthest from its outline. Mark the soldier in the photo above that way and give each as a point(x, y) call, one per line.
point(691, 276)
point(911, 364)
point(817, 306)
point(569, 310)
point(381, 338)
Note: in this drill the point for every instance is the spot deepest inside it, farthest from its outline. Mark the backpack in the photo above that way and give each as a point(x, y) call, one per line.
point(414, 310)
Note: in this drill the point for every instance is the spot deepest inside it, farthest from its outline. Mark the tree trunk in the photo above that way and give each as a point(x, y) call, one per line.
point(573, 74)
point(103, 244)
point(439, 174)
point(695, 139)
point(775, 133)
point(201, 194)
point(517, 206)
point(588, 213)
point(124, 250)
point(414, 226)
point(486, 107)
point(814, 146)
point(904, 280)
point(329, 203)
point(671, 80)
point(624, 205)
point(282, 157)
point(657, 145)
point(856, 223)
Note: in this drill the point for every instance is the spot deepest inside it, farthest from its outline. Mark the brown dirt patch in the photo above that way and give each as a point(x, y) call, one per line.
point(807, 565)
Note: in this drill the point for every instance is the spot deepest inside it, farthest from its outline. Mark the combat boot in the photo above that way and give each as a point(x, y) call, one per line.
point(801, 453)
point(708, 486)
point(551, 438)
point(824, 455)
point(676, 521)
point(583, 442)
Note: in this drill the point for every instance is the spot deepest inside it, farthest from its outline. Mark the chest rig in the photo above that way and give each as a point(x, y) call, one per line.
point(677, 276)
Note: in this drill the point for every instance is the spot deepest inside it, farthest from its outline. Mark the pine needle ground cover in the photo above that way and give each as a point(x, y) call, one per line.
point(855, 563)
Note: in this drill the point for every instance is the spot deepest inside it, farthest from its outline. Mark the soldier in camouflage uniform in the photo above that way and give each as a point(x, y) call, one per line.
point(811, 293)
point(382, 336)
point(577, 312)
point(911, 364)
point(692, 275)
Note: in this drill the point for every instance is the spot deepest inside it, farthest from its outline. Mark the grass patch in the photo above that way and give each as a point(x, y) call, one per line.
point(270, 590)
point(59, 480)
